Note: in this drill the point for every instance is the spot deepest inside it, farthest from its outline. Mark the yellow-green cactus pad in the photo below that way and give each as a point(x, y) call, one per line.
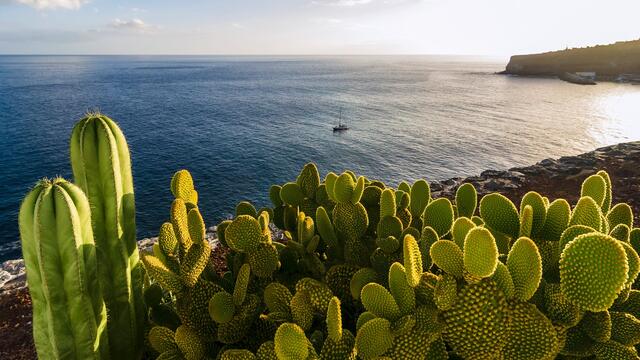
point(401, 290)
point(189, 343)
point(344, 188)
point(167, 240)
point(439, 215)
point(593, 270)
point(334, 320)
point(445, 293)
point(420, 197)
point(480, 253)
point(319, 293)
point(595, 187)
point(301, 309)
point(387, 203)
point(243, 234)
point(461, 227)
point(325, 228)
point(526, 221)
point(237, 354)
point(538, 208)
point(291, 343)
point(525, 266)
point(194, 262)
point(361, 278)
point(309, 180)
point(625, 328)
point(597, 325)
point(560, 310)
point(160, 273)
point(162, 339)
point(277, 297)
point(531, 334)
point(267, 351)
point(606, 204)
point(343, 349)
point(557, 220)
point(246, 208)
point(182, 187)
point(389, 244)
point(612, 350)
point(500, 214)
point(389, 226)
point(466, 200)
point(634, 263)
point(412, 260)
point(358, 190)
point(264, 260)
point(221, 308)
point(503, 280)
point(291, 194)
point(573, 232)
point(374, 338)
point(378, 300)
point(620, 214)
point(587, 212)
point(621, 232)
point(427, 238)
point(180, 223)
point(476, 327)
point(448, 257)
point(242, 283)
point(350, 221)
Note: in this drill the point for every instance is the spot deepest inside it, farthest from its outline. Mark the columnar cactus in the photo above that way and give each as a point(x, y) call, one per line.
point(102, 169)
point(69, 313)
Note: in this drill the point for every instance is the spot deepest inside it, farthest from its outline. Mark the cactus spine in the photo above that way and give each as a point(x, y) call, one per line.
point(69, 315)
point(102, 168)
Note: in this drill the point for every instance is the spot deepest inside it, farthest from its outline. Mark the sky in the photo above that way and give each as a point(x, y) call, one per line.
point(302, 27)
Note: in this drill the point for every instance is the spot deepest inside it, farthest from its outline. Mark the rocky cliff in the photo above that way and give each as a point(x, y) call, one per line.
point(608, 61)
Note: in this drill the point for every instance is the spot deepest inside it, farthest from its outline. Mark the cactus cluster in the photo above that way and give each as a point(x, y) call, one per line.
point(359, 270)
point(366, 271)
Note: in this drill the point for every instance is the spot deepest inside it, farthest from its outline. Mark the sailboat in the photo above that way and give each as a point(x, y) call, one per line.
point(340, 126)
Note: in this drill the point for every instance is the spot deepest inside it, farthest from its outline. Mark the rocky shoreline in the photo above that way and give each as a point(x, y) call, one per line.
point(554, 178)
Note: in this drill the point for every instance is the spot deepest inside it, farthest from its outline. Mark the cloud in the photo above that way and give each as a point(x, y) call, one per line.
point(134, 24)
point(341, 3)
point(52, 4)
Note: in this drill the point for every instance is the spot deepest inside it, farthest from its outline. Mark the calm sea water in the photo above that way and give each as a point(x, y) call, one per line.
point(242, 124)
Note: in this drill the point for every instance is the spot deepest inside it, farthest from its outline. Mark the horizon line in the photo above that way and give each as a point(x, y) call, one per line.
point(247, 55)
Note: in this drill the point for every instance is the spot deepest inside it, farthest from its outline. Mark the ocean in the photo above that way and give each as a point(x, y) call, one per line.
point(241, 124)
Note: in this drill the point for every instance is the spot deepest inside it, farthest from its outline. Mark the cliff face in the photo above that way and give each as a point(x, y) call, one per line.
point(607, 61)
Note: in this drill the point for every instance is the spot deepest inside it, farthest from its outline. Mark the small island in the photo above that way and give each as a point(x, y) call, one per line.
point(614, 62)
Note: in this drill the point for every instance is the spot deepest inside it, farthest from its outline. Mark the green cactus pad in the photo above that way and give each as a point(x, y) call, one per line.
point(480, 253)
point(189, 343)
point(301, 309)
point(291, 343)
point(264, 260)
point(246, 208)
point(420, 197)
point(358, 190)
point(162, 339)
point(237, 354)
point(325, 228)
point(243, 234)
point(621, 232)
point(595, 187)
point(461, 227)
point(560, 310)
point(371, 196)
point(378, 300)
point(221, 307)
point(445, 293)
point(466, 200)
point(194, 262)
point(525, 266)
point(291, 194)
point(412, 260)
point(539, 209)
point(350, 221)
point(620, 214)
point(167, 239)
point(633, 261)
point(612, 350)
point(587, 213)
point(401, 290)
point(277, 297)
point(309, 180)
point(597, 325)
point(526, 221)
point(531, 334)
point(182, 187)
point(361, 278)
point(374, 338)
point(476, 326)
point(387, 203)
point(319, 293)
point(503, 280)
point(389, 244)
point(267, 351)
point(593, 270)
point(344, 188)
point(572, 232)
point(500, 214)
point(557, 220)
point(448, 257)
point(389, 226)
point(625, 328)
point(160, 273)
point(439, 215)
point(606, 203)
